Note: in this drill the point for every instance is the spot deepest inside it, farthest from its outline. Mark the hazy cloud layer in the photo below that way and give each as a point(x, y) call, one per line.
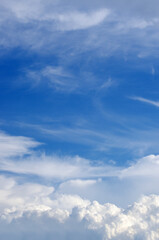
point(42, 26)
point(78, 175)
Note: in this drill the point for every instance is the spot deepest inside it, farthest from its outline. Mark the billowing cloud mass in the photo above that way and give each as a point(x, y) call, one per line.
point(56, 209)
point(29, 210)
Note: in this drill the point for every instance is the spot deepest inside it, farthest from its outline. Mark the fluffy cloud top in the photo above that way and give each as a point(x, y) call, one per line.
point(33, 212)
point(56, 209)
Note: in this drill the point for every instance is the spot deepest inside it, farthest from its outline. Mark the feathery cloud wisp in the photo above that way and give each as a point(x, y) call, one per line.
point(145, 100)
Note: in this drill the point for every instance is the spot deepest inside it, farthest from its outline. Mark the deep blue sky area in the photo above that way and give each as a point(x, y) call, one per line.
point(95, 109)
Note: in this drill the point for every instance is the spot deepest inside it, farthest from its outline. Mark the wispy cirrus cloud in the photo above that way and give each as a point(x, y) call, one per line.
point(63, 19)
point(137, 142)
point(80, 20)
point(54, 77)
point(42, 26)
point(145, 100)
point(63, 80)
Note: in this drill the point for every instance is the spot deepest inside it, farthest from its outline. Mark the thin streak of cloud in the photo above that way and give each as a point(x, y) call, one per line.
point(145, 100)
point(138, 142)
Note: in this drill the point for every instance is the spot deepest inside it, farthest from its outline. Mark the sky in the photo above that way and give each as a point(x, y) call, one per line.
point(79, 110)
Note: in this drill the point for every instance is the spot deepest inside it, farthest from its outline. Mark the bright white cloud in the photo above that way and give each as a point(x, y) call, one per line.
point(70, 215)
point(78, 183)
point(18, 198)
point(60, 205)
point(11, 146)
point(58, 168)
point(147, 166)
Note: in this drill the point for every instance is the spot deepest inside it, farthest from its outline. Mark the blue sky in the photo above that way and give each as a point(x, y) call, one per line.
point(94, 100)
point(79, 111)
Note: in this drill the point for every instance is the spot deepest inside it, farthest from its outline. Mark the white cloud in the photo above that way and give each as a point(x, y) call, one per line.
point(41, 26)
point(62, 80)
point(57, 168)
point(137, 23)
point(53, 77)
point(65, 203)
point(70, 215)
point(90, 179)
point(137, 141)
point(147, 166)
point(145, 100)
point(79, 20)
point(13, 159)
point(106, 84)
point(78, 183)
point(11, 146)
point(20, 196)
point(63, 19)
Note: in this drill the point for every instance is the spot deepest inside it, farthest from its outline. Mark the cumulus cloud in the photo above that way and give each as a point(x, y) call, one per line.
point(147, 166)
point(18, 198)
point(69, 215)
point(23, 196)
point(66, 202)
